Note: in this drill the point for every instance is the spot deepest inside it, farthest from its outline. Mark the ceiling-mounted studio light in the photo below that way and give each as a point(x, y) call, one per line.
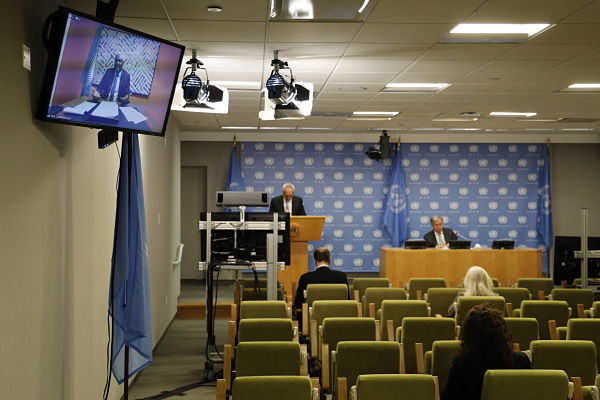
point(199, 96)
point(282, 97)
point(384, 150)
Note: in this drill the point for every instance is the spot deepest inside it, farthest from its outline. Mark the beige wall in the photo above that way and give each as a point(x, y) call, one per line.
point(57, 207)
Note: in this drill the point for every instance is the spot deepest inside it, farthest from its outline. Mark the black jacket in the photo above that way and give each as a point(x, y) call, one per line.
point(297, 205)
point(431, 241)
point(319, 275)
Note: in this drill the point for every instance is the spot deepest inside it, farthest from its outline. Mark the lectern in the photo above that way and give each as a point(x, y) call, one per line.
point(303, 229)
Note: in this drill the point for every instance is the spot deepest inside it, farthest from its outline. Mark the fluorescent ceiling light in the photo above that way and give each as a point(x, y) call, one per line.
point(362, 8)
point(366, 118)
point(237, 83)
point(430, 129)
point(315, 129)
point(585, 86)
point(238, 127)
point(577, 129)
point(463, 129)
point(390, 113)
point(540, 120)
point(455, 119)
point(277, 127)
point(512, 114)
point(528, 29)
point(415, 87)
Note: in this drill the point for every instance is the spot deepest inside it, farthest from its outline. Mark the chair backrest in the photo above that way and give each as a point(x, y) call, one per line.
point(322, 309)
point(358, 358)
point(526, 384)
point(495, 282)
point(268, 358)
point(585, 329)
point(378, 294)
point(263, 309)
point(361, 284)
point(465, 303)
point(536, 284)
point(259, 294)
point(272, 388)
point(265, 330)
point(326, 291)
point(397, 310)
point(524, 331)
point(442, 356)
point(514, 295)
point(337, 330)
point(424, 330)
point(575, 357)
point(394, 387)
point(544, 311)
point(440, 299)
point(596, 309)
point(574, 297)
point(423, 284)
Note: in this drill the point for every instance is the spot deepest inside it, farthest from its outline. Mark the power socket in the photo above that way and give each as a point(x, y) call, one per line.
point(26, 58)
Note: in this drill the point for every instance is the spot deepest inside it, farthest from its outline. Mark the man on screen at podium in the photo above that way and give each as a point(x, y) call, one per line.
point(321, 274)
point(439, 236)
point(287, 202)
point(114, 85)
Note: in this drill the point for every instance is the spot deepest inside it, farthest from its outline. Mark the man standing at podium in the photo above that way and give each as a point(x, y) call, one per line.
point(287, 202)
point(321, 274)
point(439, 236)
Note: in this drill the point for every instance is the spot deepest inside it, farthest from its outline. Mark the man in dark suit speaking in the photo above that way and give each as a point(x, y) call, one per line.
point(287, 202)
point(439, 236)
point(321, 274)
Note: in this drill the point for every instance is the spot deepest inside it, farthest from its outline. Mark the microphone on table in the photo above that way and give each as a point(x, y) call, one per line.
point(460, 236)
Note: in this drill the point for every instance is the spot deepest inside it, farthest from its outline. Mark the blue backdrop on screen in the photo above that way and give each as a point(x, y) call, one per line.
point(483, 191)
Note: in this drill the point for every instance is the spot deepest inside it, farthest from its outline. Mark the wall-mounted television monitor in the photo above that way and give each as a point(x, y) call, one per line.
point(103, 75)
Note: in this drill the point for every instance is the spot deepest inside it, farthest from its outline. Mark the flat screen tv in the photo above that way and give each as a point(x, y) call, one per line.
point(415, 244)
point(103, 75)
point(504, 244)
point(459, 244)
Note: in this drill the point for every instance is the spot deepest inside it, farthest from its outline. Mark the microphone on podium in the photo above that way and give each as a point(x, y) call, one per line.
point(460, 236)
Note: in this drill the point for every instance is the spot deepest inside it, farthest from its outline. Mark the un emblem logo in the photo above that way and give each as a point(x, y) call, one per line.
point(414, 177)
point(259, 146)
point(299, 146)
point(444, 162)
point(259, 175)
point(483, 219)
point(279, 146)
point(463, 163)
point(473, 177)
point(367, 162)
point(415, 205)
point(424, 191)
point(377, 233)
point(319, 176)
point(444, 191)
point(358, 204)
point(338, 204)
point(434, 177)
point(532, 177)
point(338, 262)
point(269, 189)
point(522, 191)
point(348, 248)
point(434, 148)
point(338, 176)
point(338, 147)
point(387, 162)
point(368, 190)
point(358, 147)
point(318, 204)
point(454, 177)
point(502, 163)
point(368, 219)
point(279, 175)
point(473, 234)
point(483, 163)
point(512, 234)
point(423, 219)
point(378, 205)
point(522, 219)
point(454, 205)
point(493, 234)
point(483, 191)
point(424, 163)
point(329, 219)
point(348, 162)
point(308, 161)
point(502, 191)
point(338, 233)
point(414, 148)
point(378, 176)
point(309, 190)
point(502, 219)
point(473, 148)
point(473, 205)
point(357, 262)
point(463, 219)
point(348, 219)
point(532, 234)
point(532, 205)
point(492, 148)
point(532, 148)
point(434, 205)
point(540, 163)
point(348, 190)
point(492, 205)
point(367, 247)
point(358, 233)
point(405, 162)
point(299, 175)
point(414, 234)
point(493, 177)
point(512, 148)
point(522, 163)
point(396, 202)
point(328, 162)
point(453, 148)
point(359, 176)
point(463, 191)
point(249, 161)
point(289, 161)
point(328, 190)
point(319, 147)
point(512, 205)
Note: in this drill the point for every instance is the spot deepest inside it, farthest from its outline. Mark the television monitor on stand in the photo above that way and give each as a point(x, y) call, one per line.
point(459, 244)
point(503, 244)
point(107, 76)
point(415, 244)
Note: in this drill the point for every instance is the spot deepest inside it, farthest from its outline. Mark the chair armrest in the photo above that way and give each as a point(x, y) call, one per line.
point(437, 388)
point(342, 389)
point(356, 295)
point(580, 311)
point(577, 390)
point(402, 363)
point(360, 310)
point(313, 338)
point(377, 330)
point(508, 307)
point(316, 388)
point(233, 313)
point(296, 337)
point(590, 392)
point(303, 360)
point(227, 366)
point(305, 319)
point(325, 367)
point(353, 395)
point(221, 389)
point(528, 354)
point(390, 330)
point(372, 310)
point(232, 333)
point(516, 312)
point(420, 358)
point(552, 329)
point(428, 361)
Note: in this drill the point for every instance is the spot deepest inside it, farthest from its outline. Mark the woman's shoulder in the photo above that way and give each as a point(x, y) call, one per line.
point(521, 360)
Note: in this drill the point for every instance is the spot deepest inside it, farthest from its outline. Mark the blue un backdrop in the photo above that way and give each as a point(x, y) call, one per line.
point(483, 191)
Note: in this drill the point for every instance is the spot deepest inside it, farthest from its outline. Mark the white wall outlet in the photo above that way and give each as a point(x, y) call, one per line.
point(166, 299)
point(159, 219)
point(26, 58)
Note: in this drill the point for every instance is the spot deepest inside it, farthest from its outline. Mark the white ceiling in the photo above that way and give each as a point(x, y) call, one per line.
point(350, 62)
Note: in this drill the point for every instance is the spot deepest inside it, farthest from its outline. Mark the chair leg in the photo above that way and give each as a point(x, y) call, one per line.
point(402, 363)
point(314, 339)
point(356, 296)
point(325, 366)
point(419, 294)
point(540, 294)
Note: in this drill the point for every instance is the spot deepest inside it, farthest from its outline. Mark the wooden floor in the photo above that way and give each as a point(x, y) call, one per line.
point(179, 357)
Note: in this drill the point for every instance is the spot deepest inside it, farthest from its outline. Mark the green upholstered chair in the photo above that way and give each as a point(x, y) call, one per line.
point(544, 311)
point(335, 330)
point(439, 360)
point(465, 303)
point(352, 359)
point(274, 388)
point(423, 330)
point(596, 309)
point(326, 291)
point(259, 294)
point(322, 309)
point(265, 330)
point(392, 313)
point(514, 296)
point(422, 284)
point(361, 284)
point(535, 285)
point(525, 384)
point(440, 299)
point(268, 358)
point(575, 297)
point(495, 282)
point(394, 387)
point(524, 331)
point(576, 357)
point(264, 309)
point(585, 329)
point(375, 295)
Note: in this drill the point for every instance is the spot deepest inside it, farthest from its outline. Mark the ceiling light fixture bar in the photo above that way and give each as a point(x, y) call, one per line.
point(528, 29)
point(512, 114)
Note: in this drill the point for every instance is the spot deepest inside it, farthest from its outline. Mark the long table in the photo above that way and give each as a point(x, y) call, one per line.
point(399, 265)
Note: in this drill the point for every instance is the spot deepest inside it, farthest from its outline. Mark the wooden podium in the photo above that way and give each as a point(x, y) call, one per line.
point(302, 230)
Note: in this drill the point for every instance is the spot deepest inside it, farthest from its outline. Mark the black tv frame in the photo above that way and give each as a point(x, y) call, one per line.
point(415, 244)
point(56, 24)
point(459, 244)
point(503, 244)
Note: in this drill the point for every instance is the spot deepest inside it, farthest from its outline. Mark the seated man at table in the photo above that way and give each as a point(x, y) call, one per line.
point(321, 274)
point(439, 236)
point(114, 85)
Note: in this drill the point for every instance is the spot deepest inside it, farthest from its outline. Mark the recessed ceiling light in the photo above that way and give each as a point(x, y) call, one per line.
point(529, 29)
point(277, 127)
point(390, 113)
point(512, 114)
point(238, 127)
point(215, 9)
point(415, 87)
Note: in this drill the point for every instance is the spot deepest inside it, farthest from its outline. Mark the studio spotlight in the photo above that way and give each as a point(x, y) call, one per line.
point(285, 98)
point(383, 151)
point(198, 95)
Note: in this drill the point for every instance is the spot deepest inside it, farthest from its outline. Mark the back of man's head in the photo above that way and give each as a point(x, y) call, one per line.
point(322, 255)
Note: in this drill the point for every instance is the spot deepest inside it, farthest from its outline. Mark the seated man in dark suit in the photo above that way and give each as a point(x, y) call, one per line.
point(287, 202)
point(439, 236)
point(321, 274)
point(114, 85)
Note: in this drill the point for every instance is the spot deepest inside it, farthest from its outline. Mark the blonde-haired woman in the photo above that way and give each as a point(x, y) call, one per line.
point(477, 282)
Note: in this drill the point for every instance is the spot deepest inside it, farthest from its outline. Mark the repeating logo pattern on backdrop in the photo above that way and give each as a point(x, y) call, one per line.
point(483, 191)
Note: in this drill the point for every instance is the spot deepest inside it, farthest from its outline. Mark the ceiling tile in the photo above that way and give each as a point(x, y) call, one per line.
point(402, 33)
point(247, 10)
point(587, 14)
point(423, 11)
point(569, 33)
point(311, 32)
point(465, 51)
point(156, 27)
point(141, 9)
point(405, 52)
point(214, 31)
point(381, 78)
point(519, 11)
point(506, 72)
point(544, 52)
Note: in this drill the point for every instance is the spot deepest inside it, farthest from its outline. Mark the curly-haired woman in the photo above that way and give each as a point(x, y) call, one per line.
point(486, 343)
